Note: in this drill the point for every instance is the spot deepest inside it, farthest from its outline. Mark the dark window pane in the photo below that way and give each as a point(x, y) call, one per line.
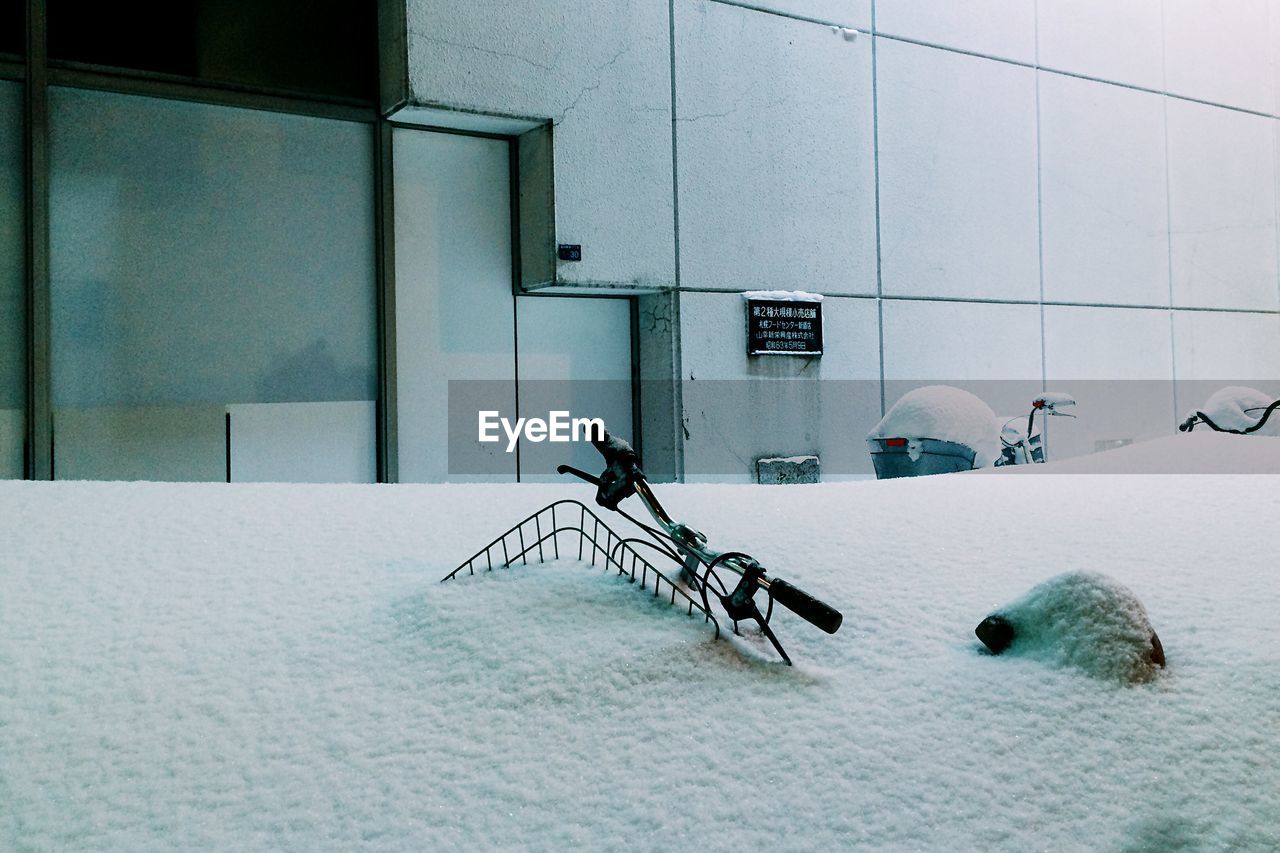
point(12, 35)
point(147, 35)
point(315, 47)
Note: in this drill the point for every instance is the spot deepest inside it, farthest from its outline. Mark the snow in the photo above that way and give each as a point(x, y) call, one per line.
point(246, 667)
point(1086, 620)
point(1200, 452)
point(1239, 407)
point(783, 295)
point(946, 414)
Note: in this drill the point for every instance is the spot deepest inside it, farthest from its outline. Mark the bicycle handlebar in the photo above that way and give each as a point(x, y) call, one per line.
point(623, 478)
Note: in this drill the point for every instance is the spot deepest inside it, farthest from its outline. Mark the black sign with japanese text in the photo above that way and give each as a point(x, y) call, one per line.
point(784, 327)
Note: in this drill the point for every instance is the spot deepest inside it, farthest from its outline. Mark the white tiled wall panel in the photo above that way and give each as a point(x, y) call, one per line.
point(1222, 186)
point(601, 73)
point(957, 175)
point(775, 153)
point(991, 351)
point(1107, 343)
point(960, 340)
point(1116, 40)
point(1118, 364)
point(739, 407)
point(1226, 346)
point(1104, 198)
point(1221, 52)
point(1003, 28)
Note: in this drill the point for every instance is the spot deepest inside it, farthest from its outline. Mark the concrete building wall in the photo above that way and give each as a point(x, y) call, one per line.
point(1050, 191)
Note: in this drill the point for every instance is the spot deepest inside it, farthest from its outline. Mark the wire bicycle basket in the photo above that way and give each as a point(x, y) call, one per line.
point(700, 567)
point(540, 534)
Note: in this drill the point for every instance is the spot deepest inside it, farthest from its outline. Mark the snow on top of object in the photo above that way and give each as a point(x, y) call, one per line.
point(1240, 407)
point(796, 460)
point(1085, 620)
point(783, 295)
point(947, 414)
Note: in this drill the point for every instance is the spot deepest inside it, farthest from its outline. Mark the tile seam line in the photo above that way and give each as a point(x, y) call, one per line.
point(1168, 209)
point(1044, 344)
point(1076, 75)
point(875, 161)
point(873, 32)
point(983, 301)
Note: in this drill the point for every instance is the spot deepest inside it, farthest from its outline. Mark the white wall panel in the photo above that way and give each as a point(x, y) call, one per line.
point(1118, 363)
point(1221, 52)
point(776, 160)
point(1116, 40)
point(601, 73)
point(1104, 195)
point(1215, 349)
point(1222, 192)
point(738, 408)
point(1003, 28)
point(991, 351)
point(957, 175)
point(961, 340)
point(1212, 345)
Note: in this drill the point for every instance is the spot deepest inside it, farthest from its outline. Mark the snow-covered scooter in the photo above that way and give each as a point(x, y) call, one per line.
point(1026, 447)
point(1236, 410)
point(538, 538)
point(939, 429)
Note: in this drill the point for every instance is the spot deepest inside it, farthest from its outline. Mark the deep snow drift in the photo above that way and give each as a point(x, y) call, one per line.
point(250, 667)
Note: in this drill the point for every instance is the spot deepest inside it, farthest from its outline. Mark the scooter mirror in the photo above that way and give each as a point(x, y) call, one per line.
point(1051, 402)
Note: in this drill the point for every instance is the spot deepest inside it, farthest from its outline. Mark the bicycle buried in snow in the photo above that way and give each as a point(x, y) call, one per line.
point(552, 532)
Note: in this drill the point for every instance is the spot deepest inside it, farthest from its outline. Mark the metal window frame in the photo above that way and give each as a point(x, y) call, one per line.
point(38, 73)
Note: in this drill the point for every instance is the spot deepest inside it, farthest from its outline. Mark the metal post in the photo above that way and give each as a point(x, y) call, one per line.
point(385, 252)
point(39, 445)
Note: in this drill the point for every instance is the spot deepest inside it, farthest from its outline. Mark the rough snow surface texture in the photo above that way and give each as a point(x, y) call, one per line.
point(1085, 620)
point(1240, 407)
point(267, 667)
point(946, 414)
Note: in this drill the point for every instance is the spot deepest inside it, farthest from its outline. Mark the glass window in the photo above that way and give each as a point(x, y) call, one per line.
point(13, 327)
point(455, 316)
point(202, 258)
point(319, 47)
point(13, 27)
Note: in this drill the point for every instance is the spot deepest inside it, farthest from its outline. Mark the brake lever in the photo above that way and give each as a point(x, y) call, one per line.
point(579, 473)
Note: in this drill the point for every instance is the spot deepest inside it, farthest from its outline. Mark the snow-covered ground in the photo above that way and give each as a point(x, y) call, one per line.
point(252, 667)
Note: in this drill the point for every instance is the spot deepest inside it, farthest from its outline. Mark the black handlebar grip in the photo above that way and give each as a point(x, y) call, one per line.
point(805, 606)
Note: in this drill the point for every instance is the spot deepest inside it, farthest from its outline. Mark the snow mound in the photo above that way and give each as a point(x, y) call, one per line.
point(947, 414)
point(1085, 620)
point(1240, 407)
